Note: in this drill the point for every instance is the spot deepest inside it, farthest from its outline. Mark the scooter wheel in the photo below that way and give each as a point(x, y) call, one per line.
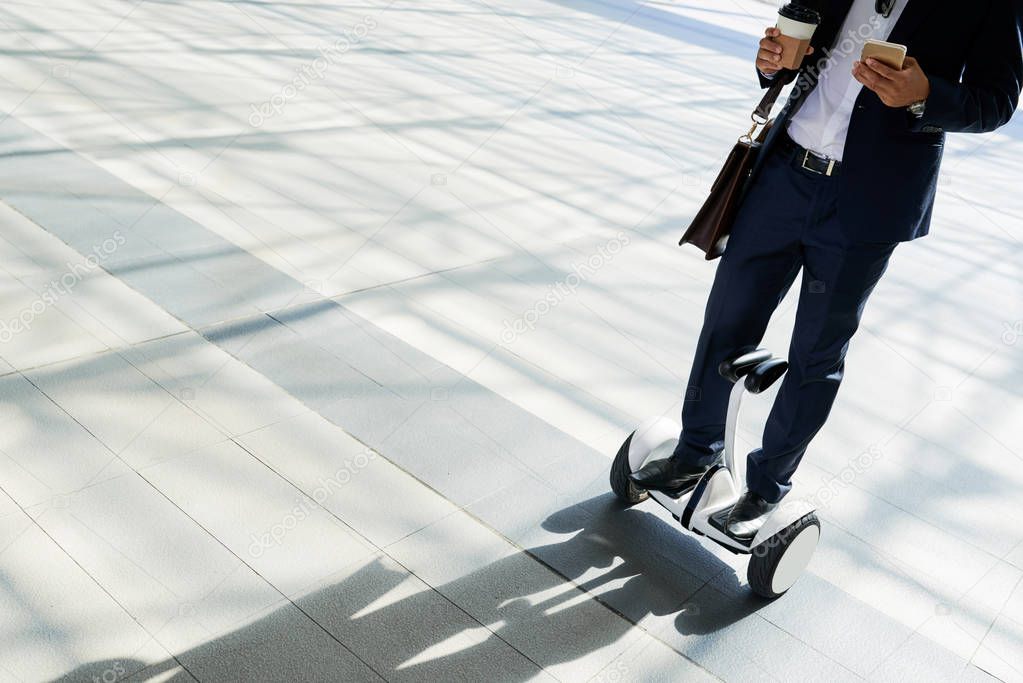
point(622, 486)
point(777, 562)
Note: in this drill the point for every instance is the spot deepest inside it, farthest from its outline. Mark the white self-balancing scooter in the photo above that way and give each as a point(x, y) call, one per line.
point(782, 548)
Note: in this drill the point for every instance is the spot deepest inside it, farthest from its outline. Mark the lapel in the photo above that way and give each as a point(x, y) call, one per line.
point(916, 11)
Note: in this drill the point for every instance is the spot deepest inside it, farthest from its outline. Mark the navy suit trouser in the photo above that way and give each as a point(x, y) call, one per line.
point(788, 222)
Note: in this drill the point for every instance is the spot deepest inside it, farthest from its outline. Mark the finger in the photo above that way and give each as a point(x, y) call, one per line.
point(769, 57)
point(771, 45)
point(881, 68)
point(768, 68)
point(911, 63)
point(809, 50)
point(772, 32)
point(865, 76)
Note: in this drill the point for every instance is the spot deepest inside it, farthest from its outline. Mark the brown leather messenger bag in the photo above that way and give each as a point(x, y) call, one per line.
point(710, 229)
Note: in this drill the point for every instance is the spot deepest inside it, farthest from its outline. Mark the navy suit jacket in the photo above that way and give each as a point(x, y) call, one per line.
point(972, 54)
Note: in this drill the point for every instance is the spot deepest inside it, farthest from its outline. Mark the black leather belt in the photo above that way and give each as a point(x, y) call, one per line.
point(807, 160)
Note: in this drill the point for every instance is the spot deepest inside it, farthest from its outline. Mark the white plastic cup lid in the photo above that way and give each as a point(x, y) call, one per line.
point(796, 29)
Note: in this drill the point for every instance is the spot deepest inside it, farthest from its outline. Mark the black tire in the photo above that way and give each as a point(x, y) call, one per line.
point(766, 557)
point(622, 486)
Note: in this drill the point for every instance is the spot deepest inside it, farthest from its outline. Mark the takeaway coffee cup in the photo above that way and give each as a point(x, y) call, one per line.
point(797, 24)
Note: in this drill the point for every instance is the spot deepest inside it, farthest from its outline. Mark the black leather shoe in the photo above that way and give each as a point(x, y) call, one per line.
point(670, 476)
point(747, 516)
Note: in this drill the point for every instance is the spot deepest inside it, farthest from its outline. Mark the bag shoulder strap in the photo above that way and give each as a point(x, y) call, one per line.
point(763, 109)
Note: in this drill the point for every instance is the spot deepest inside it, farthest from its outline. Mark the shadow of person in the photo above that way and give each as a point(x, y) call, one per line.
point(666, 570)
point(475, 624)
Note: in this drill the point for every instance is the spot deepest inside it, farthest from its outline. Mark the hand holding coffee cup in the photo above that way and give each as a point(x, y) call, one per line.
point(769, 58)
point(796, 26)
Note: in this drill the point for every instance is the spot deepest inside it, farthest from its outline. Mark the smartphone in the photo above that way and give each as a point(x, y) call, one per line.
point(890, 54)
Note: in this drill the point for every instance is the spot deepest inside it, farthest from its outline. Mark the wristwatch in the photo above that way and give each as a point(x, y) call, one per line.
point(917, 109)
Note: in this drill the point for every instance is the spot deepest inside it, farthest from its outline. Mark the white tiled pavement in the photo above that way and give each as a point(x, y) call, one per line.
point(281, 432)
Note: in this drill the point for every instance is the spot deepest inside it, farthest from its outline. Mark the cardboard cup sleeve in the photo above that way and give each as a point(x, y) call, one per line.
point(794, 51)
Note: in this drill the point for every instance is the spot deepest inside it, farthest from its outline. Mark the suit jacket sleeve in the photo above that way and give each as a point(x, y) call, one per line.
point(785, 74)
point(988, 93)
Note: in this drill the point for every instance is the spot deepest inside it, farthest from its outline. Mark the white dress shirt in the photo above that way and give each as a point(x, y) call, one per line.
point(822, 124)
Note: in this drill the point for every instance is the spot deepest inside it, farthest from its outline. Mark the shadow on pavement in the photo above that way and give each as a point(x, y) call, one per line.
point(466, 628)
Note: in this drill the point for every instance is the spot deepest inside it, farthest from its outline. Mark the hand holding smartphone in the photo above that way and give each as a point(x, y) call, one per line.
point(889, 54)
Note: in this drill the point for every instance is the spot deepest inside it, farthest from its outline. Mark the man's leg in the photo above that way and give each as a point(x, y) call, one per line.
point(837, 282)
point(763, 257)
point(762, 260)
point(752, 279)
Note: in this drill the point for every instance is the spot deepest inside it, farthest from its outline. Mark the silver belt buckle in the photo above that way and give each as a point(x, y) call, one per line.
point(827, 172)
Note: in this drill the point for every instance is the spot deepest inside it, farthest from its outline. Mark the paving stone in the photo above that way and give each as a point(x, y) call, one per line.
point(407, 631)
point(168, 670)
point(281, 645)
point(285, 536)
point(719, 628)
point(34, 333)
point(45, 454)
point(1001, 652)
point(534, 606)
point(210, 382)
point(354, 483)
point(650, 660)
point(77, 286)
point(178, 582)
point(917, 659)
point(56, 618)
point(133, 416)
